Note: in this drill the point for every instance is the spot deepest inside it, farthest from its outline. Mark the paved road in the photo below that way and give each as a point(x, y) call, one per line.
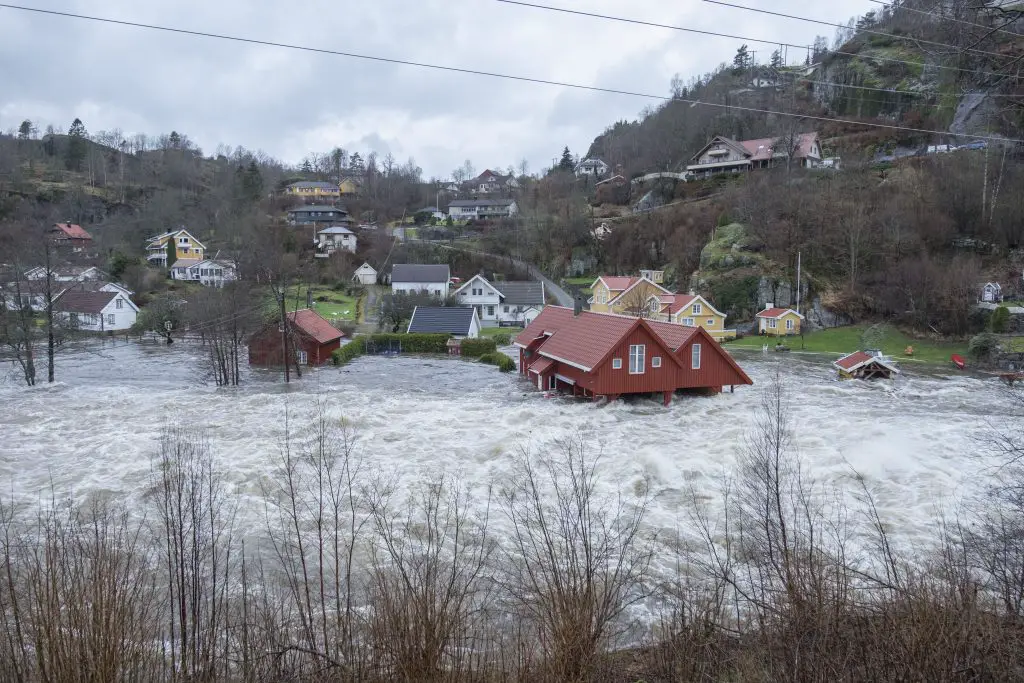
point(563, 297)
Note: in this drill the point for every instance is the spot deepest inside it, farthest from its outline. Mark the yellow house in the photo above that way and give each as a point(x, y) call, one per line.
point(313, 189)
point(349, 186)
point(693, 310)
point(624, 295)
point(185, 245)
point(778, 322)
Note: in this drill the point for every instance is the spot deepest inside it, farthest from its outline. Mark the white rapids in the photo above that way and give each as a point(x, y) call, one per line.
point(95, 431)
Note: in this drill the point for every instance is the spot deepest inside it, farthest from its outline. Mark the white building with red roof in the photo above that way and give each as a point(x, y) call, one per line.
point(603, 355)
point(724, 155)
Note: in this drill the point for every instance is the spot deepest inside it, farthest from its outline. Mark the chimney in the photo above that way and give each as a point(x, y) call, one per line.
point(693, 292)
point(769, 304)
point(577, 305)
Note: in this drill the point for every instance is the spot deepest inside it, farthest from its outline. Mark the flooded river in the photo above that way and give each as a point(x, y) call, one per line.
point(95, 431)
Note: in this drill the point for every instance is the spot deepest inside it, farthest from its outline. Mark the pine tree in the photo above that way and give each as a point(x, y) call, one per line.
point(777, 59)
point(566, 162)
point(742, 59)
point(77, 137)
point(172, 251)
point(25, 130)
point(356, 166)
point(252, 183)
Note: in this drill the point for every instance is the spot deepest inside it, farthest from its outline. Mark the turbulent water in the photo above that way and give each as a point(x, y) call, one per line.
point(94, 432)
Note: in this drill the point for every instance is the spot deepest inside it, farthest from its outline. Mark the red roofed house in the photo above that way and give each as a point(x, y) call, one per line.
point(778, 322)
point(311, 337)
point(723, 155)
point(866, 365)
point(607, 355)
point(70, 235)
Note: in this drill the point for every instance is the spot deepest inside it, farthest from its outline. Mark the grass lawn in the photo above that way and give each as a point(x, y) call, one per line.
point(583, 283)
point(842, 340)
point(495, 331)
point(338, 305)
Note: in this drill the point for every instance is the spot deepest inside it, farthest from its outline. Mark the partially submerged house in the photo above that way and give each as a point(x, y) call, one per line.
point(870, 364)
point(459, 321)
point(601, 355)
point(99, 311)
point(310, 337)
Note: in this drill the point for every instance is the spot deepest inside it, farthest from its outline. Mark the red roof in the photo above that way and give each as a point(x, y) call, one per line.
point(616, 283)
point(72, 231)
point(775, 312)
point(853, 360)
point(585, 340)
point(762, 149)
point(681, 301)
point(540, 365)
point(313, 324)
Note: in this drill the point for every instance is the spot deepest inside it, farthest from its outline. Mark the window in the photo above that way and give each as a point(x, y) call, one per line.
point(490, 310)
point(688, 322)
point(711, 322)
point(656, 362)
point(506, 309)
point(695, 357)
point(636, 359)
point(552, 382)
point(111, 319)
point(119, 304)
point(773, 324)
point(303, 358)
point(789, 324)
point(697, 309)
point(616, 363)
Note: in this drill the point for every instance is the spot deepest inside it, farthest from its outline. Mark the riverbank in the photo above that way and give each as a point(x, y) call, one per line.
point(839, 341)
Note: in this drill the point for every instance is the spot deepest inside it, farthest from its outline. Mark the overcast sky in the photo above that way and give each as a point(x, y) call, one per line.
point(289, 103)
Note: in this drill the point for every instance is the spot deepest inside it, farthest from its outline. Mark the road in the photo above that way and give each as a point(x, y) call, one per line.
point(561, 296)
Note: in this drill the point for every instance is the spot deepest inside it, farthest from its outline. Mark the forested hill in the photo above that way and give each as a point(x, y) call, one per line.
point(943, 65)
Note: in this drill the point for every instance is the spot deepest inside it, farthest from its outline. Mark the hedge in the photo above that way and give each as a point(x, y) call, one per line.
point(411, 343)
point(503, 362)
point(348, 352)
point(474, 348)
point(502, 339)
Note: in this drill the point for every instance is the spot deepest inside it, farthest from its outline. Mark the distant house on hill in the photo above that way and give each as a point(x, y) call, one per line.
point(595, 168)
point(185, 247)
point(490, 182)
point(475, 209)
point(502, 303)
point(70, 236)
point(333, 238)
point(415, 278)
point(314, 190)
point(351, 185)
point(458, 321)
point(991, 292)
point(778, 322)
point(207, 272)
point(310, 337)
point(66, 273)
point(723, 155)
point(96, 311)
point(316, 214)
point(365, 275)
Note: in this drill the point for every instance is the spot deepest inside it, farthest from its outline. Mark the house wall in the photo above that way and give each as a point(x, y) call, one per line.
point(487, 304)
point(438, 289)
point(780, 329)
point(708, 319)
point(365, 277)
point(112, 319)
point(601, 295)
point(266, 348)
point(610, 381)
point(634, 297)
point(313, 192)
point(518, 314)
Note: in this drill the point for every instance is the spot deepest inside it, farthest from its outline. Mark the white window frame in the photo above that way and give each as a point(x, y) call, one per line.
point(773, 323)
point(697, 309)
point(637, 359)
point(616, 363)
point(710, 322)
point(119, 303)
point(790, 325)
point(656, 362)
point(490, 311)
point(111, 319)
point(695, 357)
point(303, 357)
point(688, 322)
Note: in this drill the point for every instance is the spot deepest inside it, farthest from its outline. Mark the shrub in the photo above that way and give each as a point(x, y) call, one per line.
point(414, 343)
point(348, 352)
point(499, 360)
point(1000, 320)
point(983, 347)
point(502, 339)
point(474, 348)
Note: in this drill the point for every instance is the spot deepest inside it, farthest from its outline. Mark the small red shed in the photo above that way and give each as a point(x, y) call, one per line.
point(70, 235)
point(607, 355)
point(310, 336)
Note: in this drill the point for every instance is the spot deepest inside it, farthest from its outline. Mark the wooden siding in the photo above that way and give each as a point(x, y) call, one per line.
point(266, 349)
point(608, 381)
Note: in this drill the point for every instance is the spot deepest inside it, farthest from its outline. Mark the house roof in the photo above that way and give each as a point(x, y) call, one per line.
point(761, 149)
point(481, 202)
point(367, 265)
point(72, 231)
point(95, 286)
point(617, 283)
point(587, 339)
point(728, 142)
point(174, 233)
point(314, 184)
point(335, 230)
point(475, 278)
point(678, 302)
point(636, 281)
point(540, 365)
point(777, 313)
point(420, 272)
point(313, 324)
point(78, 301)
point(450, 319)
point(859, 359)
point(187, 262)
point(317, 207)
point(522, 292)
point(591, 162)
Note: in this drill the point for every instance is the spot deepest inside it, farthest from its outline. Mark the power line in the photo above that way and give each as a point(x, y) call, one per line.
point(490, 74)
point(904, 8)
point(640, 22)
point(862, 30)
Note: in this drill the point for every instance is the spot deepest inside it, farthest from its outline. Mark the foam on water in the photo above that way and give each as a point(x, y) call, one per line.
point(95, 432)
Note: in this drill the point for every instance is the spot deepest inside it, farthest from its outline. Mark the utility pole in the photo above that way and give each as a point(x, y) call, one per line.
point(798, 288)
point(284, 338)
point(49, 310)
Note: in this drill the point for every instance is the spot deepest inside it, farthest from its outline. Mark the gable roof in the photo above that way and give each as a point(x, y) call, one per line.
point(366, 265)
point(529, 293)
point(858, 359)
point(615, 283)
point(728, 142)
point(420, 272)
point(450, 319)
point(335, 230)
point(186, 262)
point(174, 233)
point(679, 302)
point(482, 279)
point(314, 325)
point(777, 313)
point(637, 281)
point(72, 231)
point(78, 301)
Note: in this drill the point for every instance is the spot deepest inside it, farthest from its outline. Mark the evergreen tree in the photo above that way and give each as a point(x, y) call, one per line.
point(25, 130)
point(306, 166)
point(174, 139)
point(742, 59)
point(566, 162)
point(253, 182)
point(356, 166)
point(777, 59)
point(77, 137)
point(172, 251)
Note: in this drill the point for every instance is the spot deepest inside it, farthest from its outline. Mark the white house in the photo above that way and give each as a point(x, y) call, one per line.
point(334, 238)
point(214, 273)
point(502, 303)
point(991, 292)
point(472, 209)
point(66, 273)
point(592, 167)
point(365, 275)
point(97, 311)
point(414, 278)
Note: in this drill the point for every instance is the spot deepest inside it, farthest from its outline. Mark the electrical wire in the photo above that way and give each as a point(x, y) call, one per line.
point(861, 30)
point(491, 74)
point(904, 8)
point(640, 22)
